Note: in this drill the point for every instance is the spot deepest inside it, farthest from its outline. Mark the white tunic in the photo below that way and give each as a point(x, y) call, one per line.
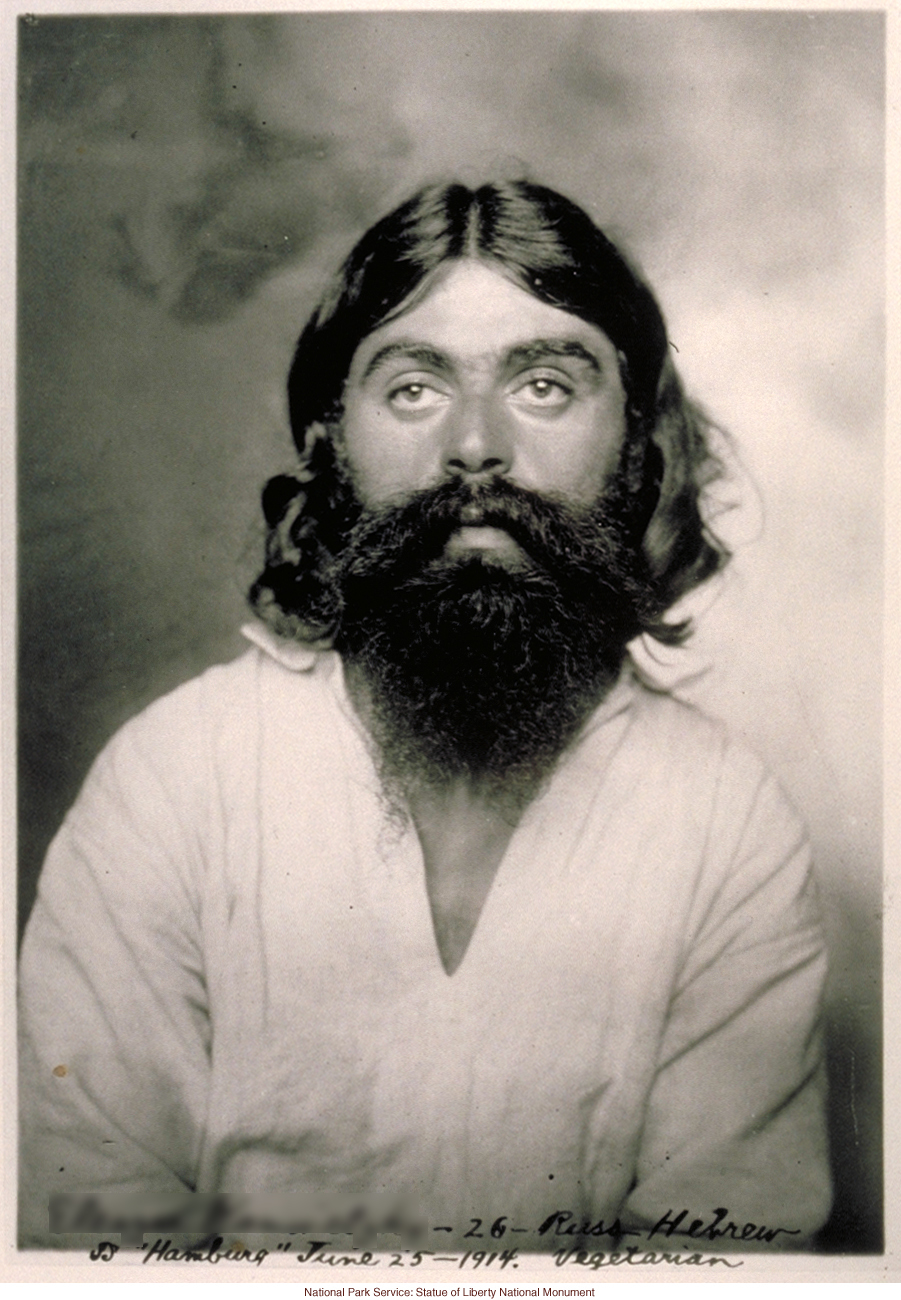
point(232, 955)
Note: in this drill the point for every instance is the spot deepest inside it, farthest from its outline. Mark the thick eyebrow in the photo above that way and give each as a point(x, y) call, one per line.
point(530, 354)
point(524, 354)
point(418, 352)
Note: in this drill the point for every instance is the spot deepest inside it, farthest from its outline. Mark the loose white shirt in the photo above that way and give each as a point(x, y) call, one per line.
point(232, 956)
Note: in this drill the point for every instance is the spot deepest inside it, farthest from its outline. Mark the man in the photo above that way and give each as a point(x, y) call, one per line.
point(426, 897)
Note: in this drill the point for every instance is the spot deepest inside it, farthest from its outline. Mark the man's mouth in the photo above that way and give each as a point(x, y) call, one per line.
point(483, 531)
point(488, 539)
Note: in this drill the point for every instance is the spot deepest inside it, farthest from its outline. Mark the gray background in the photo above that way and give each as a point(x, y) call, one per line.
point(186, 183)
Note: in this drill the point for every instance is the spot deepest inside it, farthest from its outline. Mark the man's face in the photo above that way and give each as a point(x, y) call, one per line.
point(480, 379)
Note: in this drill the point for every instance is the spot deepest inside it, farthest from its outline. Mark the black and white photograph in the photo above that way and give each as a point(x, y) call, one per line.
point(446, 583)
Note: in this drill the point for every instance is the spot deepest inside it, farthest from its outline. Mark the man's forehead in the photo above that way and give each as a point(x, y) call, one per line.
point(474, 311)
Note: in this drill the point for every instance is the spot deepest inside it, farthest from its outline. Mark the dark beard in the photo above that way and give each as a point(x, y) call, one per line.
point(478, 667)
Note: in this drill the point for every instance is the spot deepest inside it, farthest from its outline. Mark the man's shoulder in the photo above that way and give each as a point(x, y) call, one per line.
point(671, 724)
point(689, 748)
point(235, 686)
point(220, 709)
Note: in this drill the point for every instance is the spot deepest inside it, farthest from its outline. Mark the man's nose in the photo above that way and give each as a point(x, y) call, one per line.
point(478, 441)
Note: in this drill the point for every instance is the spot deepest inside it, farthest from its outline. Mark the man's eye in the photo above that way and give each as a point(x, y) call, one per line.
point(415, 396)
point(540, 391)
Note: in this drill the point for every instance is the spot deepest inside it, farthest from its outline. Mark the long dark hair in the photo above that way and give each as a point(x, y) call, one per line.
point(547, 245)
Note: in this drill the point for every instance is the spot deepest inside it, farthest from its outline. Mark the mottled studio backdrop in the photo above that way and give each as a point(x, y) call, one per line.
point(185, 183)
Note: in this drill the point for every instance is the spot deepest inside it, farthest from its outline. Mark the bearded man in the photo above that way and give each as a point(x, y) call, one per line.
point(426, 896)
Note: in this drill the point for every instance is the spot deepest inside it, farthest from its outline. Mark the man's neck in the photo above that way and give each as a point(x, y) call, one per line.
point(464, 838)
point(463, 828)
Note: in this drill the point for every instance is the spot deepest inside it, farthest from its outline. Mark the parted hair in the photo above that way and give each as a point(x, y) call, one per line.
point(550, 247)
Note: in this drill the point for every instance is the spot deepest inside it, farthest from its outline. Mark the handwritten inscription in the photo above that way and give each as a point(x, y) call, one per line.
point(632, 1255)
point(594, 1260)
point(562, 1226)
point(698, 1230)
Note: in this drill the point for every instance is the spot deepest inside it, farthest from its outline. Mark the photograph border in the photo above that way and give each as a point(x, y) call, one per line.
point(23, 1266)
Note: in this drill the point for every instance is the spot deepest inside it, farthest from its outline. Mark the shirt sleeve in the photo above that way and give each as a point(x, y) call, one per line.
point(733, 1153)
point(114, 1024)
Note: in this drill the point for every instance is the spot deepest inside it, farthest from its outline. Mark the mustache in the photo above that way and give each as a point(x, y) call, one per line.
point(555, 535)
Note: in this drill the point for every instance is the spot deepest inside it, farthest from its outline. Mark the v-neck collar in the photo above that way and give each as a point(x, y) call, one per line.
point(393, 870)
point(545, 836)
